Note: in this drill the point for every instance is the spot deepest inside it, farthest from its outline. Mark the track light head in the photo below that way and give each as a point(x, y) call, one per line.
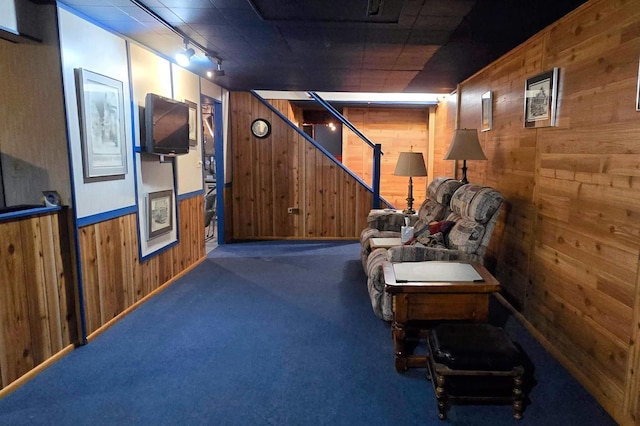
point(218, 72)
point(184, 58)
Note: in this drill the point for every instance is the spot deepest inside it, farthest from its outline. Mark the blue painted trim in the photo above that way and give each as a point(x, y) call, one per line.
point(101, 217)
point(28, 212)
point(342, 119)
point(310, 140)
point(377, 152)
point(191, 194)
point(157, 252)
point(218, 147)
point(315, 144)
point(9, 30)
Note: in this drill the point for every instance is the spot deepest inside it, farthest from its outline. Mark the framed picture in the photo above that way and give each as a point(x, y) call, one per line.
point(102, 132)
point(540, 99)
point(487, 111)
point(159, 212)
point(193, 123)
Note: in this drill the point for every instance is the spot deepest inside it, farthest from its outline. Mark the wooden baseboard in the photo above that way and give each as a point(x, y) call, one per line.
point(578, 374)
point(133, 307)
point(42, 366)
point(34, 371)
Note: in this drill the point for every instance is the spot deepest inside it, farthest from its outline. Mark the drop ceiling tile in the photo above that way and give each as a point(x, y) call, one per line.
point(209, 16)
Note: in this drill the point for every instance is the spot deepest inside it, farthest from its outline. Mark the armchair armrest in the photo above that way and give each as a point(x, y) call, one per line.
point(389, 220)
point(416, 253)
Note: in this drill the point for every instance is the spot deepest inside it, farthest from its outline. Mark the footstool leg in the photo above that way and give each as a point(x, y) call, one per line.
point(517, 397)
point(441, 396)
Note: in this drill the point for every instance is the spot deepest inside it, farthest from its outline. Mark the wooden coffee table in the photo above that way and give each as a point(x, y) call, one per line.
point(428, 292)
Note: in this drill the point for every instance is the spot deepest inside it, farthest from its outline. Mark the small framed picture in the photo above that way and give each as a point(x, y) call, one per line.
point(487, 111)
point(159, 213)
point(540, 99)
point(193, 123)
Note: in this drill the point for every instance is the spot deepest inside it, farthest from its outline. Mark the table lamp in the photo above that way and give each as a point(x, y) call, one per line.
point(410, 164)
point(465, 146)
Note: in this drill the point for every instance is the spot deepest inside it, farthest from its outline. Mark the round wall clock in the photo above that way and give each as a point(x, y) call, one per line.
point(260, 128)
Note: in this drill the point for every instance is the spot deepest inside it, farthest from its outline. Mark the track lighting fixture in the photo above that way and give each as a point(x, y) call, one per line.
point(218, 72)
point(184, 58)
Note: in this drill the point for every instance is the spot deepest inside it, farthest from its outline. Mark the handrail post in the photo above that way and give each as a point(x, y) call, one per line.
point(377, 152)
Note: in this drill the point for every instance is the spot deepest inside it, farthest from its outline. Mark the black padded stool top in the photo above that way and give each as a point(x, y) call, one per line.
point(473, 347)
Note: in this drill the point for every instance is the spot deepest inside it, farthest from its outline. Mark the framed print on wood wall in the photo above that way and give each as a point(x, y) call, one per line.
point(159, 213)
point(487, 111)
point(102, 132)
point(540, 99)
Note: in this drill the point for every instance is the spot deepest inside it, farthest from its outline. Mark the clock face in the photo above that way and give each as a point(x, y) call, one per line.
point(260, 128)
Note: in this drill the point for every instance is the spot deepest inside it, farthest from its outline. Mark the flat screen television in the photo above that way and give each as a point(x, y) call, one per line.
point(166, 125)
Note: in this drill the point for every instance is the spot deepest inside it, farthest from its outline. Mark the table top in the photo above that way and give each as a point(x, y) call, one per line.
point(376, 242)
point(440, 277)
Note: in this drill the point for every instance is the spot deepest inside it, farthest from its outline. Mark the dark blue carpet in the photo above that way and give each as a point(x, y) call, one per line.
point(269, 333)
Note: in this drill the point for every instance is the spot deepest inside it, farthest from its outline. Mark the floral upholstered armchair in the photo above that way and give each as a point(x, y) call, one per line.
point(387, 224)
point(474, 213)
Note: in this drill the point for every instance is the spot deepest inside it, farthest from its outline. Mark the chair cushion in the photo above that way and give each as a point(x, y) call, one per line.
point(466, 236)
point(475, 202)
point(482, 347)
point(484, 205)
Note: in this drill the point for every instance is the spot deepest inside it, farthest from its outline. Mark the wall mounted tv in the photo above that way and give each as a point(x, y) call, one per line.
point(166, 125)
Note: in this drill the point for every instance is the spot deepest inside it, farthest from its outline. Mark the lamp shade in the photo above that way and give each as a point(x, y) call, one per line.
point(465, 146)
point(410, 164)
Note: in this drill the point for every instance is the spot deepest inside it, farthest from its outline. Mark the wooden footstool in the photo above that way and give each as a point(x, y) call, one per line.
point(474, 363)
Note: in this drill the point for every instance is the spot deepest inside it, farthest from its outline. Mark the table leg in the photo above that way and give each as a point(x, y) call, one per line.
point(399, 334)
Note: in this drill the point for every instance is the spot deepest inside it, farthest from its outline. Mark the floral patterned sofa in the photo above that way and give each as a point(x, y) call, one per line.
point(386, 224)
point(474, 213)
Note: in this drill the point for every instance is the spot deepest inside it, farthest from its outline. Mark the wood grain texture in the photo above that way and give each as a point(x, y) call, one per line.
point(567, 249)
point(396, 130)
point(284, 170)
point(113, 277)
point(37, 293)
point(30, 83)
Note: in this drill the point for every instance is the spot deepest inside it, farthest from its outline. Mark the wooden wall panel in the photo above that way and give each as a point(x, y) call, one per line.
point(114, 279)
point(567, 248)
point(396, 130)
point(37, 293)
point(285, 170)
point(445, 123)
point(31, 80)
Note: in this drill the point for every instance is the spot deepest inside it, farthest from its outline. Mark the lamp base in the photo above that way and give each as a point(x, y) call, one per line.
point(464, 180)
point(409, 209)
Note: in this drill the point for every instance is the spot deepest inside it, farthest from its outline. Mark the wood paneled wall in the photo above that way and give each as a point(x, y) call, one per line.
point(113, 277)
point(445, 123)
point(33, 133)
point(284, 170)
point(37, 292)
point(568, 246)
point(396, 130)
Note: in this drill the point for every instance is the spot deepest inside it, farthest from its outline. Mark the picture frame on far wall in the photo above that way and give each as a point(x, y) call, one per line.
point(102, 125)
point(193, 123)
point(159, 213)
point(486, 122)
point(541, 99)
